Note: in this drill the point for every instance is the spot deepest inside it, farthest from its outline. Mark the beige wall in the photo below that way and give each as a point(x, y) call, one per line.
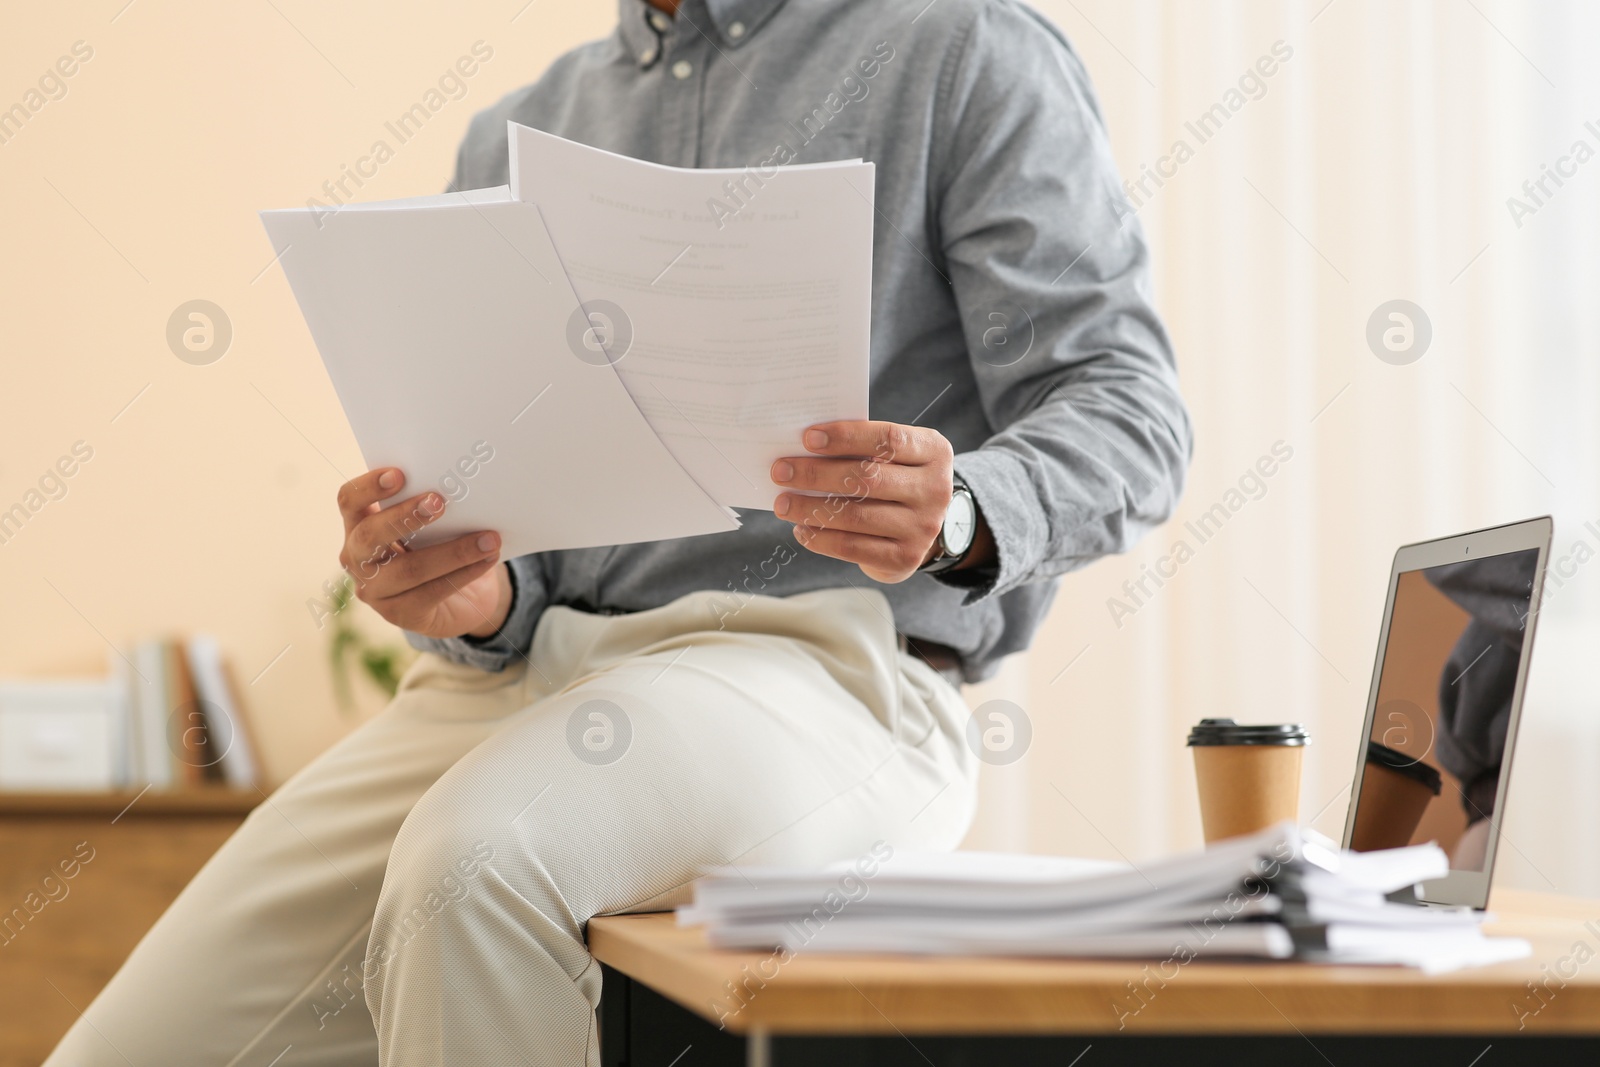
point(1376, 164)
point(207, 504)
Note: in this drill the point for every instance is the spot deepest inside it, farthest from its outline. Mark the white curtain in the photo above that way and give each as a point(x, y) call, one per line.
point(1374, 163)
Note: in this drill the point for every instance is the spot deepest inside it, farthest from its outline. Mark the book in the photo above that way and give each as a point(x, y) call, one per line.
point(122, 715)
point(187, 726)
point(231, 746)
point(152, 758)
point(178, 720)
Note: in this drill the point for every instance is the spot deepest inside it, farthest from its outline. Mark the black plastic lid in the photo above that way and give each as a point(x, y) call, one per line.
point(1228, 732)
point(1400, 763)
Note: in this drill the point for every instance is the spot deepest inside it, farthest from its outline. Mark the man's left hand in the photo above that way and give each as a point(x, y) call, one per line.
point(888, 488)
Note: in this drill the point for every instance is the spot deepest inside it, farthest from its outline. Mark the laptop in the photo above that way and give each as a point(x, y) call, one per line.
point(1446, 700)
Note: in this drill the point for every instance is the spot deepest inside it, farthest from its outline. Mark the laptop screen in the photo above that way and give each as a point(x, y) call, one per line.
point(1445, 691)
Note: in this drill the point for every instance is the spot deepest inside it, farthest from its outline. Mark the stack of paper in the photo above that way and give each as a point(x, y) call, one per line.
point(606, 350)
point(1283, 893)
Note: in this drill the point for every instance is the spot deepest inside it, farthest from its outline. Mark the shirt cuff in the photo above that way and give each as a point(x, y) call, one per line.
point(1010, 506)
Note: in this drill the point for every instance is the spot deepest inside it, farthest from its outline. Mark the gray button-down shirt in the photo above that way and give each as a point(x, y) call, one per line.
point(1011, 305)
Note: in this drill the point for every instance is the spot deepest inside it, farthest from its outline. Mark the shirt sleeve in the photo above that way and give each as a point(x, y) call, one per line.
point(515, 637)
point(1051, 276)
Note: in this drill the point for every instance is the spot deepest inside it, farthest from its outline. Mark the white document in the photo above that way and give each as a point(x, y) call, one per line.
point(497, 194)
point(734, 327)
point(444, 328)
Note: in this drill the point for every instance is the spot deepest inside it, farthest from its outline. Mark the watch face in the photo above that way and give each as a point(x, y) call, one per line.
point(960, 524)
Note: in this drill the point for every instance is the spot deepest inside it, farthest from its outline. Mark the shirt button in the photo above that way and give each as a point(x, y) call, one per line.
point(659, 21)
point(682, 69)
point(648, 56)
point(736, 30)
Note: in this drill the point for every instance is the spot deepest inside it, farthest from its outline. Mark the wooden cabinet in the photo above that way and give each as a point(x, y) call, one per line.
point(82, 877)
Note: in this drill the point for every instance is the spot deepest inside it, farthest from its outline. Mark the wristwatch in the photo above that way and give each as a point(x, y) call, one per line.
point(958, 532)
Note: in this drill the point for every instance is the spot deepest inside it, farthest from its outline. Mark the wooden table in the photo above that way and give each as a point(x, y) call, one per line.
point(63, 935)
point(665, 991)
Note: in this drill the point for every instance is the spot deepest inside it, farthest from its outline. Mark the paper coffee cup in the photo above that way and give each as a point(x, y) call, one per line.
point(1395, 790)
point(1249, 776)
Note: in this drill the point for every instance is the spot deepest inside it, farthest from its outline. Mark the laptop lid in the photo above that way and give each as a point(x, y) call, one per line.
point(1446, 698)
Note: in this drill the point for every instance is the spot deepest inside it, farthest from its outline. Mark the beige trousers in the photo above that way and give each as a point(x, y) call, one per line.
point(418, 894)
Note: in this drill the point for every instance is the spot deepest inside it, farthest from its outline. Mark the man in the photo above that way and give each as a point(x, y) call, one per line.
point(596, 726)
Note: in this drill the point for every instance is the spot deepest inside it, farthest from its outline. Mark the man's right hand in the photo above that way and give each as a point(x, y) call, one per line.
point(446, 590)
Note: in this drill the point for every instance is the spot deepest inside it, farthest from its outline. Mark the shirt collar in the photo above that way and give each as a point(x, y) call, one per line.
point(734, 21)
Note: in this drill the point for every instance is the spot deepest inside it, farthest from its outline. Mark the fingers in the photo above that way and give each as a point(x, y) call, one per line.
point(859, 478)
point(405, 571)
point(360, 495)
point(429, 590)
point(876, 517)
point(409, 609)
point(372, 537)
point(872, 493)
point(880, 558)
point(888, 541)
point(877, 460)
point(886, 442)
